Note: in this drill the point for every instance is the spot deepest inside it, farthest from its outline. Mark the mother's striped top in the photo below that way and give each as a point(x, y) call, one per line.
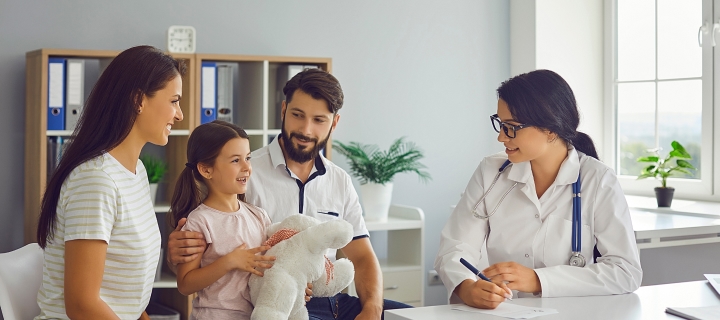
point(102, 200)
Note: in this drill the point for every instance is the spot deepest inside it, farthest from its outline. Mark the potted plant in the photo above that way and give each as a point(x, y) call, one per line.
point(155, 169)
point(375, 170)
point(661, 168)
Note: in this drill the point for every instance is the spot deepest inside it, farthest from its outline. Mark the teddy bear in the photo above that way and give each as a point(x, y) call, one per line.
point(299, 244)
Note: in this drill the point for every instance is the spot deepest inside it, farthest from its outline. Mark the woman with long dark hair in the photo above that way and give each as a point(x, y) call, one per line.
point(97, 223)
point(552, 216)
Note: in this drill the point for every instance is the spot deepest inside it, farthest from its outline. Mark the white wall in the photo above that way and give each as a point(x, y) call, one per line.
point(423, 69)
point(565, 36)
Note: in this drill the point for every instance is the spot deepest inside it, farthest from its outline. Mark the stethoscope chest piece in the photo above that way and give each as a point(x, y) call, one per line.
point(577, 260)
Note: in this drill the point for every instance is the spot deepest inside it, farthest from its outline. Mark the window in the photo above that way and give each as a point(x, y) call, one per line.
point(662, 87)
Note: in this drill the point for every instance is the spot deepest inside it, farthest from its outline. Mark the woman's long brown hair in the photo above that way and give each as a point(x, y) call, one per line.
point(107, 118)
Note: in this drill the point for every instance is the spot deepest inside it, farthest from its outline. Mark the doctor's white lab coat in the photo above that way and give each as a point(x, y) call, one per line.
point(537, 232)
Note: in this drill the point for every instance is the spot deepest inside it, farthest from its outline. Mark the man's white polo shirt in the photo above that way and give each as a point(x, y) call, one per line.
point(327, 194)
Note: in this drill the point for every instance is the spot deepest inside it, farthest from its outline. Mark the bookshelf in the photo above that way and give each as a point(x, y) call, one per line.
point(256, 104)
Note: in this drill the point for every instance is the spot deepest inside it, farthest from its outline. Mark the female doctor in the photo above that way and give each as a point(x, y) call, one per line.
point(540, 238)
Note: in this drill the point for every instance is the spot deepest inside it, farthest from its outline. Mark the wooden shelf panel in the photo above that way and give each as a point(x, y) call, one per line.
point(166, 281)
point(67, 133)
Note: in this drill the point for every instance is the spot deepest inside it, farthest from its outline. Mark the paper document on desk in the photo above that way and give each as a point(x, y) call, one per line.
point(696, 313)
point(510, 311)
point(714, 280)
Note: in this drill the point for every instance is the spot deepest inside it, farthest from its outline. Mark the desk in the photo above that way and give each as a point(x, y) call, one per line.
point(691, 239)
point(645, 303)
point(665, 229)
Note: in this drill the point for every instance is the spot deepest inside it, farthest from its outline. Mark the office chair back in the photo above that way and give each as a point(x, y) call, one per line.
point(20, 279)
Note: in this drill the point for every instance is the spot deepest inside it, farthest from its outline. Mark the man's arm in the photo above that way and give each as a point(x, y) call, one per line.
point(368, 278)
point(184, 246)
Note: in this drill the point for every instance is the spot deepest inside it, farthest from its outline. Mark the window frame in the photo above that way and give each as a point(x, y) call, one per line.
point(703, 188)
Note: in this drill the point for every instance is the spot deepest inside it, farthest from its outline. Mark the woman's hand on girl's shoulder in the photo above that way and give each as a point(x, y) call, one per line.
point(248, 259)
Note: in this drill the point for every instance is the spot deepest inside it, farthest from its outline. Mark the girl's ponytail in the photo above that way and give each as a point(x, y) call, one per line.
point(187, 195)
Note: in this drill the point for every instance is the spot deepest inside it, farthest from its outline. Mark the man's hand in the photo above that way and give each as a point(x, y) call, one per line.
point(517, 276)
point(184, 246)
point(144, 316)
point(308, 292)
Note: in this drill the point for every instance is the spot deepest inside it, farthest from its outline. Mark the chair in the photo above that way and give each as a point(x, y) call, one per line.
point(20, 279)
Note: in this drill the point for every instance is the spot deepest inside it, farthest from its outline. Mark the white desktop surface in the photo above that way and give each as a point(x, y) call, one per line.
point(646, 303)
point(658, 229)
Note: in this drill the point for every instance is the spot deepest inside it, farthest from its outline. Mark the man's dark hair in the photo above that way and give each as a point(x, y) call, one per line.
point(318, 84)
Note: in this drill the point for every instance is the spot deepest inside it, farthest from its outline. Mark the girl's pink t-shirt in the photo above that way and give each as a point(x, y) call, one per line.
point(229, 297)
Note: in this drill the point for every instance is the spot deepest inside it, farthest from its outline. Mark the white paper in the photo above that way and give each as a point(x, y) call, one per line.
point(55, 83)
point(714, 280)
point(510, 311)
point(208, 87)
point(701, 313)
point(74, 82)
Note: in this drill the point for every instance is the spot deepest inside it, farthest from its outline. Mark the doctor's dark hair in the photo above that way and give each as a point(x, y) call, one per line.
point(543, 99)
point(204, 145)
point(107, 118)
point(318, 84)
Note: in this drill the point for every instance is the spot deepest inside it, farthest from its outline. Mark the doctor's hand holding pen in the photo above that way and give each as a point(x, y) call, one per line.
point(483, 293)
point(515, 275)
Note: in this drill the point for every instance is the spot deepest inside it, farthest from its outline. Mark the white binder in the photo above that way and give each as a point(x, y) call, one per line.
point(225, 93)
point(75, 81)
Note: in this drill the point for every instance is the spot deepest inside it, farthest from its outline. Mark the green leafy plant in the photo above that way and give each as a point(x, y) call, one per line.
point(155, 168)
point(369, 164)
point(662, 168)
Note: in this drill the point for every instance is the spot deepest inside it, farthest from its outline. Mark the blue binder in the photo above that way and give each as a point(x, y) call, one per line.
point(208, 92)
point(56, 94)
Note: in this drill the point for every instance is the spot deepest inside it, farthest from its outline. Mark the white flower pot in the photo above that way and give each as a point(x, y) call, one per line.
point(153, 192)
point(376, 200)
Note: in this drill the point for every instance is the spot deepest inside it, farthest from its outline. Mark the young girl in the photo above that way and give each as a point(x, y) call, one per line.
point(219, 162)
point(97, 224)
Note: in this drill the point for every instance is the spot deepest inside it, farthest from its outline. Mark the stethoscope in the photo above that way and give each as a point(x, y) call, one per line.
point(576, 258)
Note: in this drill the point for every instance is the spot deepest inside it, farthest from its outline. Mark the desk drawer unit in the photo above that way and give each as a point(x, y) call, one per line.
point(402, 286)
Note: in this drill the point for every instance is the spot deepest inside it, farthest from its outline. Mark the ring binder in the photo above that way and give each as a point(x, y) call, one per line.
point(208, 93)
point(56, 94)
point(75, 81)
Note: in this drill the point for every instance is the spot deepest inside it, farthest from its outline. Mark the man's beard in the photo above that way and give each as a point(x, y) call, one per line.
point(301, 154)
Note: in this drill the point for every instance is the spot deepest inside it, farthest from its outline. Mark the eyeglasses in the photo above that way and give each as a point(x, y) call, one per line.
point(509, 129)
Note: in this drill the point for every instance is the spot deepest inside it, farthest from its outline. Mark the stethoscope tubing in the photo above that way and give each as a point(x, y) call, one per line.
point(577, 217)
point(576, 244)
point(505, 164)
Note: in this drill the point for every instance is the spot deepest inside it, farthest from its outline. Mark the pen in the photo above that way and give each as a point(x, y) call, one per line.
point(479, 274)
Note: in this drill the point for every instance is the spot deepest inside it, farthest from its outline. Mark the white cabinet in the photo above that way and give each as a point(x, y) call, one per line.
point(403, 268)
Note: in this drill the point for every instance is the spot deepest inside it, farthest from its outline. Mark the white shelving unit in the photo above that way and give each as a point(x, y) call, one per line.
point(402, 270)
